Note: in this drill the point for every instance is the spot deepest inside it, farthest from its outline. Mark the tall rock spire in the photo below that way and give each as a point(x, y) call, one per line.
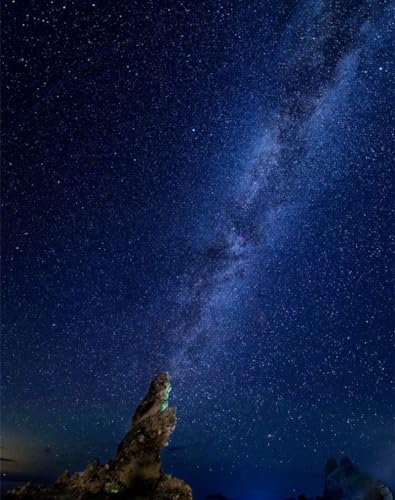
point(136, 471)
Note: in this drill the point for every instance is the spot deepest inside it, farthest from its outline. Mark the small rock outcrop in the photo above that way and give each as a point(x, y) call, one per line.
point(135, 472)
point(344, 480)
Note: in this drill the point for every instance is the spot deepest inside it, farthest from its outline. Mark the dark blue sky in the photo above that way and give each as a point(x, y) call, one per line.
point(203, 188)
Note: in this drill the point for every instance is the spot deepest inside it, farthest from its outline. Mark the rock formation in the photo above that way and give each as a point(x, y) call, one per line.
point(135, 472)
point(344, 481)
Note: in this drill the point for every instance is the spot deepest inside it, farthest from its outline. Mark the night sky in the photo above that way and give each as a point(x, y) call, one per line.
point(202, 187)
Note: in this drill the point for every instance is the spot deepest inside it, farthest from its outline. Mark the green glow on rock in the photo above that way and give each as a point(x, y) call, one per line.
point(165, 402)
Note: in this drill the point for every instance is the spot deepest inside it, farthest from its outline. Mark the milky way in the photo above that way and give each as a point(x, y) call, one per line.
point(270, 193)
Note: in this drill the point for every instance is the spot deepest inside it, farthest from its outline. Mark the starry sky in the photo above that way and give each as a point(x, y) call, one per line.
point(204, 188)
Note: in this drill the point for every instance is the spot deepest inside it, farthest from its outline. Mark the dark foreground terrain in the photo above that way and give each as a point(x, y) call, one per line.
point(136, 473)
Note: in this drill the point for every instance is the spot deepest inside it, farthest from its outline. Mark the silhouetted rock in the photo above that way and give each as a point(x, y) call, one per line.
point(216, 496)
point(135, 472)
point(344, 481)
point(347, 482)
